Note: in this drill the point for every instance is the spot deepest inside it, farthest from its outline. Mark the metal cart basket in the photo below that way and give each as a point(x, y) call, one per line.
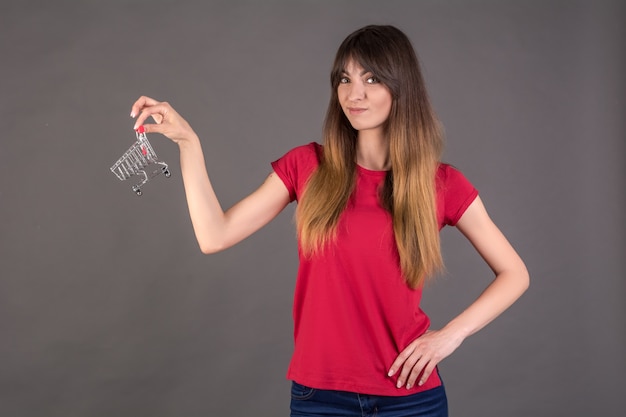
point(140, 159)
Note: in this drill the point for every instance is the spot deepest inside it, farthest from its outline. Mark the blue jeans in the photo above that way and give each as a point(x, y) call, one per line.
point(310, 402)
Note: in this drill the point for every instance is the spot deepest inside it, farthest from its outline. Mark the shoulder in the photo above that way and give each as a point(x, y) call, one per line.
point(454, 193)
point(448, 175)
point(310, 151)
point(445, 170)
point(303, 157)
point(296, 166)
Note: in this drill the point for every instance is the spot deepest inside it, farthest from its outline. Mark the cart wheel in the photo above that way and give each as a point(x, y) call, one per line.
point(167, 173)
point(138, 192)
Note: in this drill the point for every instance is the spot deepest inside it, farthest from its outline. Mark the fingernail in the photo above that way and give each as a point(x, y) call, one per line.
point(132, 114)
point(408, 386)
point(390, 373)
point(399, 384)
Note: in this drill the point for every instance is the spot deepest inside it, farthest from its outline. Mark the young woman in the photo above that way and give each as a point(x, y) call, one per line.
point(371, 202)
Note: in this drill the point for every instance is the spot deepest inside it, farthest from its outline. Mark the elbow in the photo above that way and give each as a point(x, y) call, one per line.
point(208, 248)
point(527, 276)
point(517, 279)
point(524, 279)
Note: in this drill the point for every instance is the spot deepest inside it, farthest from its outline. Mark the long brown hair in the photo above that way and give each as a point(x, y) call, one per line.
point(415, 146)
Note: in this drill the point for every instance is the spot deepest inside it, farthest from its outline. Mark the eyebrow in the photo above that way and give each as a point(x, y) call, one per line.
point(344, 72)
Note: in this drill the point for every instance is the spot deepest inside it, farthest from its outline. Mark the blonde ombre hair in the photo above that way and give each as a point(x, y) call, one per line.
point(415, 147)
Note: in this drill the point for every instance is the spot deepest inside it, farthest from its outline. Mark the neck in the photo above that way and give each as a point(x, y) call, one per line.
point(372, 151)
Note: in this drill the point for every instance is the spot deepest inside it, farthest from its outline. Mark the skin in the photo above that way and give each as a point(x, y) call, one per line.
point(366, 103)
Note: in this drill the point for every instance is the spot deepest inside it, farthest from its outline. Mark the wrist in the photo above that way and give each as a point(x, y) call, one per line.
point(458, 330)
point(191, 141)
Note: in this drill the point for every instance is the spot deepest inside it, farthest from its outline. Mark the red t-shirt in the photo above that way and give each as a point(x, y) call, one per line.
point(353, 312)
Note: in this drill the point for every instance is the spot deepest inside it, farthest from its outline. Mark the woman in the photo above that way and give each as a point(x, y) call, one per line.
point(371, 202)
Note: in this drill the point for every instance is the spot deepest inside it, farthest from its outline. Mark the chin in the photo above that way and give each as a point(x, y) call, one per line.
point(360, 126)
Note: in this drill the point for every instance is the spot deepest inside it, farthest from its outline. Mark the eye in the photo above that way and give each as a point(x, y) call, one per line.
point(372, 80)
point(344, 80)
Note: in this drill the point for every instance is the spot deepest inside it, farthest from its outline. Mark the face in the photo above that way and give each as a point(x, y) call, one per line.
point(365, 101)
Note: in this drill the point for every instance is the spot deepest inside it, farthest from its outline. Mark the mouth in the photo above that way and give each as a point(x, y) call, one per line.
point(356, 110)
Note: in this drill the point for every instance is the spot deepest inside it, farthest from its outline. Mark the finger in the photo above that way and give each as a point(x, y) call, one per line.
point(415, 372)
point(158, 119)
point(157, 112)
point(155, 128)
point(426, 374)
point(402, 357)
point(407, 369)
point(141, 102)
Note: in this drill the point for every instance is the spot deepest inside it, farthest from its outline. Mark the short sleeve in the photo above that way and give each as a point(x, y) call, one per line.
point(455, 193)
point(296, 166)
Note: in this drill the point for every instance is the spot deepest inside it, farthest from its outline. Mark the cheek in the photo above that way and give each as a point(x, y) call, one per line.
point(389, 104)
point(385, 107)
point(341, 95)
point(384, 101)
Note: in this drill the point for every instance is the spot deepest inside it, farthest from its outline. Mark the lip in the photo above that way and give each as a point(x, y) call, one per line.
point(356, 110)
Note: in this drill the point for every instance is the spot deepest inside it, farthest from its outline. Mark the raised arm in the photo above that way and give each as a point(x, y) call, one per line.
point(215, 229)
point(511, 280)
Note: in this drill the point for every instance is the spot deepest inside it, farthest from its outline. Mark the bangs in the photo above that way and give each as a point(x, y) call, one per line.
point(370, 50)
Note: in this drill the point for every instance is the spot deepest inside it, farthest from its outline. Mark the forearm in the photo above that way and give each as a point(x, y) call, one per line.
point(207, 215)
point(511, 275)
point(215, 229)
point(422, 355)
point(506, 288)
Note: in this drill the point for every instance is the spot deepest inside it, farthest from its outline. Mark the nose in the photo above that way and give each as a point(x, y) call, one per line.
point(356, 91)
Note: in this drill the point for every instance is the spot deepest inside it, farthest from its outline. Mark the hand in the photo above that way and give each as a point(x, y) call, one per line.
point(420, 358)
point(168, 121)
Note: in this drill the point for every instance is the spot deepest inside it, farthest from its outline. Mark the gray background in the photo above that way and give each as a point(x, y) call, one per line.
point(107, 307)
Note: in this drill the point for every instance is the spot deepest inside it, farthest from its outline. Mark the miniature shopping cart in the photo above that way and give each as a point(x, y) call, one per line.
point(140, 159)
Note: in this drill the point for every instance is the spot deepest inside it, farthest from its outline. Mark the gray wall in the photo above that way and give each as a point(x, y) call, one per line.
point(107, 306)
